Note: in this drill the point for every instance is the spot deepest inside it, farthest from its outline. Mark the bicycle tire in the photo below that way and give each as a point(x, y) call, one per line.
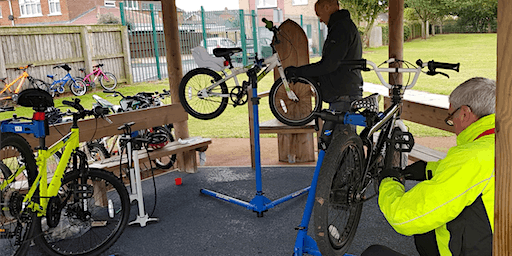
point(295, 113)
point(165, 162)
point(195, 81)
point(98, 151)
point(20, 154)
point(111, 83)
point(339, 179)
point(73, 232)
point(39, 84)
point(77, 87)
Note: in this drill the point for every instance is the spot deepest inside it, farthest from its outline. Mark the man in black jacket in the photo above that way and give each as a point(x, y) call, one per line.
point(339, 84)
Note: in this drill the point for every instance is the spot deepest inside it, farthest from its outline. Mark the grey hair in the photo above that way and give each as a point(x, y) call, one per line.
point(478, 93)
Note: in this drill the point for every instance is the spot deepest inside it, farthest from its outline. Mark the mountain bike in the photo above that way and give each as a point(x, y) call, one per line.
point(7, 94)
point(204, 92)
point(107, 80)
point(76, 85)
point(349, 164)
point(77, 211)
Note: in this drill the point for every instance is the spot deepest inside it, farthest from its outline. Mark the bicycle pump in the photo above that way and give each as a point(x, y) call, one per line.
point(259, 203)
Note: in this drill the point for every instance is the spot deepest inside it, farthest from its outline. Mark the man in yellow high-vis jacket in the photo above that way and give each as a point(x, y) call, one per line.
point(451, 211)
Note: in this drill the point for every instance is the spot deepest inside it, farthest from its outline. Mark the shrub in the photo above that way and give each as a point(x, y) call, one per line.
point(108, 18)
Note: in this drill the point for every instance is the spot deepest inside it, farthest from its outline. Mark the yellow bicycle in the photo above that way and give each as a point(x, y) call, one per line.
point(77, 211)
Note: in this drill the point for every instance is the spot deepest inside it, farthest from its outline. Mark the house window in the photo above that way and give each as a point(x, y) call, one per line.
point(109, 3)
point(132, 5)
point(267, 3)
point(1, 12)
point(30, 8)
point(54, 7)
point(299, 2)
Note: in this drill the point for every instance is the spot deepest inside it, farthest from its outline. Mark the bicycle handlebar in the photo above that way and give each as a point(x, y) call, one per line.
point(25, 67)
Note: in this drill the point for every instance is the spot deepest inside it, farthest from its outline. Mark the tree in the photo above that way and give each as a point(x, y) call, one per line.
point(365, 11)
point(108, 18)
point(480, 15)
point(428, 10)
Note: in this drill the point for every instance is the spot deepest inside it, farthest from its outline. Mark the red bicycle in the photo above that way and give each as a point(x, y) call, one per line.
point(107, 80)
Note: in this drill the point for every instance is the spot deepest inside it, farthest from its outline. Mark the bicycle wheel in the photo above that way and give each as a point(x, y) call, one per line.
point(109, 81)
point(15, 225)
point(87, 217)
point(336, 215)
point(77, 87)
point(40, 84)
point(198, 103)
point(295, 112)
point(98, 151)
point(165, 162)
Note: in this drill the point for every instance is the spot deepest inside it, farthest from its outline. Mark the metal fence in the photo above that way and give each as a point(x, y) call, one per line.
point(212, 29)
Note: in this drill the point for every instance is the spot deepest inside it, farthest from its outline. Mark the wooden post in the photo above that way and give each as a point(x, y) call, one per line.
point(503, 201)
point(396, 38)
point(126, 54)
point(86, 49)
point(187, 160)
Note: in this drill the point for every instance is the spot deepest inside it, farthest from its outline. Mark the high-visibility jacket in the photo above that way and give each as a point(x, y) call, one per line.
point(453, 212)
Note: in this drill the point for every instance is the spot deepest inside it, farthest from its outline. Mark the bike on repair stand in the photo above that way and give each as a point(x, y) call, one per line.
point(349, 164)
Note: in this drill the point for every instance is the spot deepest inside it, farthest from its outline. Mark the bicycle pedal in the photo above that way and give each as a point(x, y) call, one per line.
point(83, 191)
point(402, 141)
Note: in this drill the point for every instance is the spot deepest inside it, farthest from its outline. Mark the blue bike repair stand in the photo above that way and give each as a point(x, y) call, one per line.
point(259, 203)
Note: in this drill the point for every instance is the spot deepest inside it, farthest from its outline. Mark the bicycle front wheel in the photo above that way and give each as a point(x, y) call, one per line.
point(109, 81)
point(39, 84)
point(86, 217)
point(296, 107)
point(199, 102)
point(15, 225)
point(336, 211)
point(78, 87)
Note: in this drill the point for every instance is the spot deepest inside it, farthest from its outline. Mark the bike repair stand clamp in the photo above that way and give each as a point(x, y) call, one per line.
point(135, 180)
point(259, 203)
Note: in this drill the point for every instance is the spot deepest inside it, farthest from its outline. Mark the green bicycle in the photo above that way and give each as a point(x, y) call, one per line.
point(77, 211)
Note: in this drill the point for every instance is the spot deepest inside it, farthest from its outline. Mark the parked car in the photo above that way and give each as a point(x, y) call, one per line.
point(218, 42)
point(264, 44)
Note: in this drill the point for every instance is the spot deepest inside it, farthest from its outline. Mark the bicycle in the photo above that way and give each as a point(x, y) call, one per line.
point(77, 86)
point(349, 164)
point(138, 101)
point(204, 93)
point(7, 94)
point(107, 80)
point(77, 211)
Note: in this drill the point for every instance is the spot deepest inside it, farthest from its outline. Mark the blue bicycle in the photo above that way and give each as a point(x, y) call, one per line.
point(76, 86)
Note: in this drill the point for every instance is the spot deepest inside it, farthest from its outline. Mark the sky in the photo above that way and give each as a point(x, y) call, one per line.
point(208, 5)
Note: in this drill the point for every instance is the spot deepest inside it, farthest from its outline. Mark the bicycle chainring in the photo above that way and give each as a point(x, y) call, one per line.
point(53, 211)
point(238, 95)
point(14, 201)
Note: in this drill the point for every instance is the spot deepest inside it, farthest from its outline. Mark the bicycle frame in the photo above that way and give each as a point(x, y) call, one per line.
point(23, 76)
point(63, 81)
point(96, 73)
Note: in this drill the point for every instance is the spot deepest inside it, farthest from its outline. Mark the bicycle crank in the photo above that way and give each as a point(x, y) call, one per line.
point(238, 95)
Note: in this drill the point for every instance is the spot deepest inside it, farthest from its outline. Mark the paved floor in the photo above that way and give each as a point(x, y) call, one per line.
point(195, 224)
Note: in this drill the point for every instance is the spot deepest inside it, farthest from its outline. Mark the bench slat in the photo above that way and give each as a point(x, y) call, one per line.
point(274, 126)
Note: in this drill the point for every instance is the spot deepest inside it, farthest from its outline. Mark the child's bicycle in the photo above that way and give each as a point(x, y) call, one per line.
point(107, 80)
point(349, 164)
point(7, 94)
point(77, 211)
point(76, 85)
point(204, 93)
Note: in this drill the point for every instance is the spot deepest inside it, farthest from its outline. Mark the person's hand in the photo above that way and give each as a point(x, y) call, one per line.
point(291, 72)
point(391, 173)
point(415, 171)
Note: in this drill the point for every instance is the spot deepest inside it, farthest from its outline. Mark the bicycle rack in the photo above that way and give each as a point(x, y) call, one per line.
point(259, 203)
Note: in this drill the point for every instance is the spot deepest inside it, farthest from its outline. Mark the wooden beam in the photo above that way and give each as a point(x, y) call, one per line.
point(396, 37)
point(503, 197)
point(187, 160)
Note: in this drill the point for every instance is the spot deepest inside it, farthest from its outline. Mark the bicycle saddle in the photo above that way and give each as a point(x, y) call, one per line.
point(225, 52)
point(35, 98)
point(64, 66)
point(97, 66)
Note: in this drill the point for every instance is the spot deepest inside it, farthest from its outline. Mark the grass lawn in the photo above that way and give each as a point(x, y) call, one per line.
point(475, 52)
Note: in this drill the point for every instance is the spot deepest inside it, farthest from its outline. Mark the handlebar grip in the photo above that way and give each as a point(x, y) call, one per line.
point(100, 111)
point(432, 65)
point(268, 24)
point(68, 103)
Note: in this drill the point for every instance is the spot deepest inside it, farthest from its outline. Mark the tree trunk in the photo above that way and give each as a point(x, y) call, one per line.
point(427, 29)
point(423, 30)
point(433, 29)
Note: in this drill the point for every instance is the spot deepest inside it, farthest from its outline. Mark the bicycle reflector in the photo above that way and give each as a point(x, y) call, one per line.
point(226, 63)
point(38, 116)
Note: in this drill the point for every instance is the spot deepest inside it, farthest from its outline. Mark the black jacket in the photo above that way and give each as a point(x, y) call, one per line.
point(343, 43)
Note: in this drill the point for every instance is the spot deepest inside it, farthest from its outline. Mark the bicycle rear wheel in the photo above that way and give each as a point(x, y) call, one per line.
point(15, 225)
point(87, 217)
point(198, 102)
point(78, 87)
point(39, 84)
point(336, 214)
point(295, 112)
point(109, 82)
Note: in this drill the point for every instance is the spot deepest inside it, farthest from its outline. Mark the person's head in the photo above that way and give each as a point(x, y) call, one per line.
point(324, 9)
point(470, 101)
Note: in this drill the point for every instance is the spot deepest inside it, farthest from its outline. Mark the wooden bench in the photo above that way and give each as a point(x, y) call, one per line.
point(175, 147)
point(420, 152)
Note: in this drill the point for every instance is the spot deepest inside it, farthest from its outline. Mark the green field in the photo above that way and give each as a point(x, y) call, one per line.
point(475, 52)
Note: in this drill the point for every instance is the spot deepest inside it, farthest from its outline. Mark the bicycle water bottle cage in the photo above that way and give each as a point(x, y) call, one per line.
point(370, 103)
